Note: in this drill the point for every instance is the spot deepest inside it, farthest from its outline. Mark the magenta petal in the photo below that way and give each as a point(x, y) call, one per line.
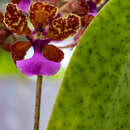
point(24, 5)
point(38, 65)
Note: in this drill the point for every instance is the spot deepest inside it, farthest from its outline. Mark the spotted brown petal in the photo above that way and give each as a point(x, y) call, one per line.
point(53, 53)
point(16, 20)
point(19, 49)
point(61, 28)
point(41, 14)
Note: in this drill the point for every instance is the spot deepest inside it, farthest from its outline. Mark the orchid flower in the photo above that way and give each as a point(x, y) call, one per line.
point(46, 59)
point(86, 9)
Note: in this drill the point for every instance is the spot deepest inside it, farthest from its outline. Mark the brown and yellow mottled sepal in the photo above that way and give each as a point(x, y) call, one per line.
point(16, 20)
point(62, 28)
point(41, 14)
point(53, 53)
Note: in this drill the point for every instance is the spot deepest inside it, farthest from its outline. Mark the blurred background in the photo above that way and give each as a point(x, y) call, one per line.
point(17, 102)
point(17, 92)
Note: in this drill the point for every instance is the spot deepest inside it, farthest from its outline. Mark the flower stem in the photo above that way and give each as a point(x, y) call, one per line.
point(38, 102)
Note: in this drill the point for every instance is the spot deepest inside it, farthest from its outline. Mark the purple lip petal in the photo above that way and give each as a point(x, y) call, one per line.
point(38, 65)
point(24, 5)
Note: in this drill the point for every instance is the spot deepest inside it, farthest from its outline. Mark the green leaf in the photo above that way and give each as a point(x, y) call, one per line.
point(95, 93)
point(7, 65)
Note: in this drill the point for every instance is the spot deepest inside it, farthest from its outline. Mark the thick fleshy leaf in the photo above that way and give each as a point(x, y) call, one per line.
point(53, 53)
point(61, 28)
point(95, 93)
point(16, 20)
point(24, 5)
point(41, 14)
point(38, 65)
